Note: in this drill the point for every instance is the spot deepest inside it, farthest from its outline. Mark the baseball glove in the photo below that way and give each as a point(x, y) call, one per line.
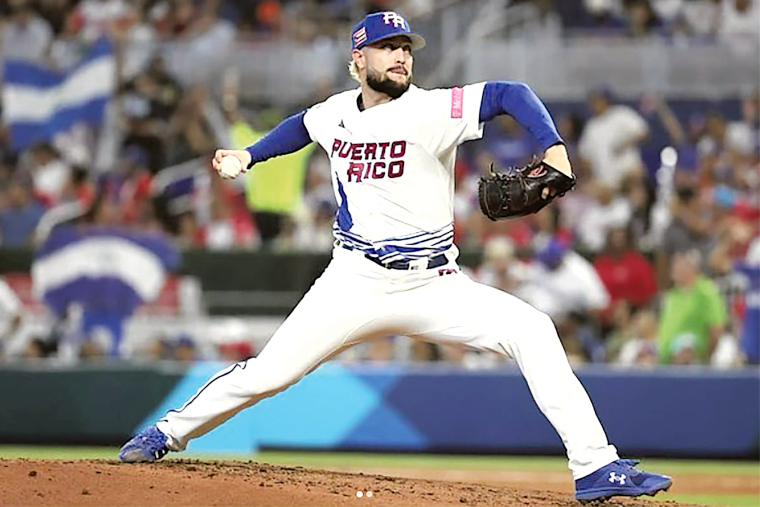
point(519, 193)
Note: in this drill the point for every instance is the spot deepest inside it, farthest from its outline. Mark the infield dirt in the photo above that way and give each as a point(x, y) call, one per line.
point(196, 483)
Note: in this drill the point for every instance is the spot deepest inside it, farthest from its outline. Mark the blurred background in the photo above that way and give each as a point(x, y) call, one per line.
point(121, 251)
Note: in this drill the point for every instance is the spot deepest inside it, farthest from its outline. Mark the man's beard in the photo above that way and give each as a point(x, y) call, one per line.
point(387, 86)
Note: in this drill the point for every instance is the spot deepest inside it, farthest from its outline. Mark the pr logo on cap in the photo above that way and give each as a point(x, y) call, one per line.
point(391, 17)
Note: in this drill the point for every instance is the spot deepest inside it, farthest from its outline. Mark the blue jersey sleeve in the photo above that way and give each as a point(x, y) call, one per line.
point(289, 136)
point(520, 102)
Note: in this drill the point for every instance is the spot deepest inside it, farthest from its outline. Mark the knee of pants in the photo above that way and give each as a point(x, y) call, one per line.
point(266, 380)
point(537, 329)
point(545, 324)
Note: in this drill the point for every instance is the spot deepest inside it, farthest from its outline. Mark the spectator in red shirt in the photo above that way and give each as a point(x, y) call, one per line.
point(626, 274)
point(135, 184)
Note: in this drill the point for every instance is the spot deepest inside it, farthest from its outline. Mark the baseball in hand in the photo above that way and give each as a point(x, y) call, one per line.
point(230, 166)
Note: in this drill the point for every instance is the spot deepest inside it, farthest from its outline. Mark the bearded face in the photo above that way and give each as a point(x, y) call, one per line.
point(381, 82)
point(389, 66)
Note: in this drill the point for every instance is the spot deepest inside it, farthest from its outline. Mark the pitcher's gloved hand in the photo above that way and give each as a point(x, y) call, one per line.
point(521, 192)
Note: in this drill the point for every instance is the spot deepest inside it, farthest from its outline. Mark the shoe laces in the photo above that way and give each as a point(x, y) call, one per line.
point(630, 464)
point(156, 442)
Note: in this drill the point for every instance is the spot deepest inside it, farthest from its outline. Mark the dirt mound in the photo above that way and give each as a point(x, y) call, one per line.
point(190, 483)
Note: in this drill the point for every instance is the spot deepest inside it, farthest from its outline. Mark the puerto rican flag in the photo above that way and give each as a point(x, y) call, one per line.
point(360, 36)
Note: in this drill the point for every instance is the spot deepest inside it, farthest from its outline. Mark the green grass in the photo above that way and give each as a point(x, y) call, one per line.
point(436, 461)
point(465, 462)
point(451, 462)
point(34, 452)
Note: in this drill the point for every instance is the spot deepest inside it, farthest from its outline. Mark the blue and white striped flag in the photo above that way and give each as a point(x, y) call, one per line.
point(38, 102)
point(106, 270)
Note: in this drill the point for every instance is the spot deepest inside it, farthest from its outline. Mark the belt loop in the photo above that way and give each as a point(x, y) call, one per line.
point(418, 264)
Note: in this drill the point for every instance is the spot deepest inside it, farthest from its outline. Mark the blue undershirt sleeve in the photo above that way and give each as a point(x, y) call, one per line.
point(521, 103)
point(289, 136)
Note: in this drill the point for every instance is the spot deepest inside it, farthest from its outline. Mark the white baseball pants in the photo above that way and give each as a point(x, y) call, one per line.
point(356, 300)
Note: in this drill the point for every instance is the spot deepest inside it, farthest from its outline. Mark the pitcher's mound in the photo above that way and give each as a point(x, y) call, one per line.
point(190, 483)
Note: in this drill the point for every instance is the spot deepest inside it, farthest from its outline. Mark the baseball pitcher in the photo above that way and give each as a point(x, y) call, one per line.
point(394, 268)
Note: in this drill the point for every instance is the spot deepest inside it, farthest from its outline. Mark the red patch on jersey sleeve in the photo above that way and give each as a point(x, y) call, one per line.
point(457, 102)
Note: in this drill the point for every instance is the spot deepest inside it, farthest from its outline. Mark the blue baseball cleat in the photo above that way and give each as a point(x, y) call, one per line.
point(146, 447)
point(620, 478)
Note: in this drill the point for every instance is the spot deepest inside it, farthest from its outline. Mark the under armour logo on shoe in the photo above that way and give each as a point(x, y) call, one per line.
point(617, 478)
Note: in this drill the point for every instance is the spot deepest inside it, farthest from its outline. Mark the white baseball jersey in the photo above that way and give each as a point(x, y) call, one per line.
point(393, 174)
point(393, 167)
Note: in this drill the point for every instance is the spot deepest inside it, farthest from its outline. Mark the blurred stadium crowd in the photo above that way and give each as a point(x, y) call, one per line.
point(653, 259)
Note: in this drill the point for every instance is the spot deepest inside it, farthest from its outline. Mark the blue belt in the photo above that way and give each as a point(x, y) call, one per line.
point(433, 262)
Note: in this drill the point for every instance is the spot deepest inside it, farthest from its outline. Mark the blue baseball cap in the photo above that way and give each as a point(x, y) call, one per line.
point(552, 253)
point(383, 25)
